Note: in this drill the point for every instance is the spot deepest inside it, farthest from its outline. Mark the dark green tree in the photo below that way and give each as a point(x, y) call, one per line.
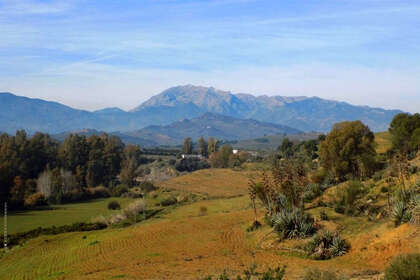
point(349, 149)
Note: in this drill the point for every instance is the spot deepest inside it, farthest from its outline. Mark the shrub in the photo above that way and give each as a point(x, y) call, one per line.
point(168, 201)
point(319, 176)
point(316, 274)
point(326, 245)
point(323, 216)
point(293, 223)
point(255, 225)
point(378, 175)
point(114, 205)
point(203, 211)
point(347, 196)
point(312, 191)
point(147, 186)
point(119, 190)
point(134, 208)
point(270, 274)
point(404, 267)
point(191, 164)
point(34, 200)
point(98, 192)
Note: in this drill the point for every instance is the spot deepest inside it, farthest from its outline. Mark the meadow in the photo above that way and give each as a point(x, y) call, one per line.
point(58, 215)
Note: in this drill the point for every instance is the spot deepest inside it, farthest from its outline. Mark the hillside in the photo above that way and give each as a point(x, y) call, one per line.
point(210, 124)
point(186, 243)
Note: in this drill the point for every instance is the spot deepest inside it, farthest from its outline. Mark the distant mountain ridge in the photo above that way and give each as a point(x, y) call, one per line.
point(187, 102)
point(211, 124)
point(304, 113)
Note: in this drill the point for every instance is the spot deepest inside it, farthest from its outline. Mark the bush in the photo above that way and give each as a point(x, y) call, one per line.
point(319, 176)
point(34, 200)
point(404, 267)
point(134, 208)
point(316, 274)
point(168, 201)
point(312, 191)
point(98, 192)
point(255, 225)
point(119, 190)
point(326, 245)
point(114, 205)
point(203, 211)
point(293, 223)
point(347, 196)
point(147, 186)
point(323, 216)
point(191, 164)
point(270, 274)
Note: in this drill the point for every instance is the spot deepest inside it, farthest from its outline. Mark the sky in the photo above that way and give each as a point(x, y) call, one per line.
point(94, 54)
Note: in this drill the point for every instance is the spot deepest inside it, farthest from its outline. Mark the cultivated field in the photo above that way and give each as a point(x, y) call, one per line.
point(58, 215)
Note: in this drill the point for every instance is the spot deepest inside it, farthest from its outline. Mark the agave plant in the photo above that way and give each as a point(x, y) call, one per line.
point(293, 223)
point(326, 245)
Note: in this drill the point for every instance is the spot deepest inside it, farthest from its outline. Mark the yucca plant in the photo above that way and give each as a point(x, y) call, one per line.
point(326, 245)
point(293, 223)
point(400, 213)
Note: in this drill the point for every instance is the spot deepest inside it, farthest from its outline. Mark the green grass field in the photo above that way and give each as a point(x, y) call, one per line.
point(64, 214)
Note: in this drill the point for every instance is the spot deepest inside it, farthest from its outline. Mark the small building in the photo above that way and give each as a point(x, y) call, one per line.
point(185, 156)
point(235, 151)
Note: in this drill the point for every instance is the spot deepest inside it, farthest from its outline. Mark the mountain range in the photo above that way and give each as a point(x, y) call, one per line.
point(182, 103)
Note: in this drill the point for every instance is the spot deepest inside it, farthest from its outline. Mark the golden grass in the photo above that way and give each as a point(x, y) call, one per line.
point(212, 182)
point(383, 141)
point(186, 245)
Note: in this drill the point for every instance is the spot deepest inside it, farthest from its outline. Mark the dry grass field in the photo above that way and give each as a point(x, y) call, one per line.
point(187, 244)
point(212, 182)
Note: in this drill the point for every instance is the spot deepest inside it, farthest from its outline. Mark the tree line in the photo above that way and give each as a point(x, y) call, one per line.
point(38, 168)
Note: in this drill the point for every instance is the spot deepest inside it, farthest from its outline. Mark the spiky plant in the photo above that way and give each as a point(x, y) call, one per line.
point(326, 245)
point(400, 213)
point(293, 223)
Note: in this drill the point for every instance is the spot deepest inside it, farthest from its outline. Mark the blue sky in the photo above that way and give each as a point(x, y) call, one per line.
point(94, 54)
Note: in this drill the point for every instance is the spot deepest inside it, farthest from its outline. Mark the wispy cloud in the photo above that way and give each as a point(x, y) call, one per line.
point(25, 7)
point(331, 48)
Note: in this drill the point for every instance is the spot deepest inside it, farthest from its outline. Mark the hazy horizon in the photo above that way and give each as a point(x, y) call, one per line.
point(92, 55)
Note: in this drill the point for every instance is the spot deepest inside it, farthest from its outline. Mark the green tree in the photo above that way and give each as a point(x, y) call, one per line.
point(188, 146)
point(202, 147)
point(286, 148)
point(349, 149)
point(130, 164)
point(402, 128)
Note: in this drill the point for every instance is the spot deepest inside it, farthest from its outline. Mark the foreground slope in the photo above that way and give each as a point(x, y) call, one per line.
point(186, 245)
point(189, 243)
